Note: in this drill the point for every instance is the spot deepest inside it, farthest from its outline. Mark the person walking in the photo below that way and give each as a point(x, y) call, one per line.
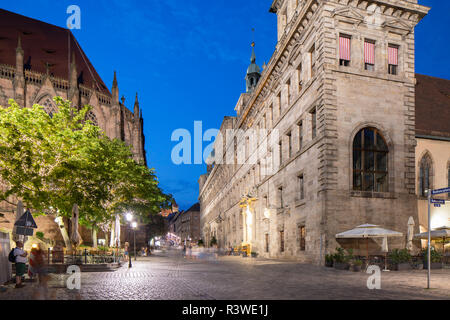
point(20, 258)
point(38, 256)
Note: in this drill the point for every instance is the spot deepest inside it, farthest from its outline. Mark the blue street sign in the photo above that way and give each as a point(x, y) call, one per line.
point(438, 201)
point(437, 205)
point(439, 191)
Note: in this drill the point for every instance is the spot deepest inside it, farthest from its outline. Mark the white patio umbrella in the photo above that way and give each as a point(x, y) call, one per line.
point(385, 249)
point(117, 242)
point(367, 231)
point(436, 234)
point(409, 244)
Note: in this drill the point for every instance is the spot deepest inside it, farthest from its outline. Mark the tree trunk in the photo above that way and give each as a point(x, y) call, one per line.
point(94, 238)
point(64, 233)
point(106, 239)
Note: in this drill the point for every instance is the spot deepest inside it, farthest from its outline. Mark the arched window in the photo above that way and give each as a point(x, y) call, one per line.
point(91, 116)
point(425, 174)
point(49, 107)
point(370, 161)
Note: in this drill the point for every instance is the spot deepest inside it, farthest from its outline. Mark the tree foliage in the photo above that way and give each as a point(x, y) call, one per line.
point(55, 161)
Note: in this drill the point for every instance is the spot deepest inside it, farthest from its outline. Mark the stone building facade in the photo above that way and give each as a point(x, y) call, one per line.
point(335, 108)
point(39, 61)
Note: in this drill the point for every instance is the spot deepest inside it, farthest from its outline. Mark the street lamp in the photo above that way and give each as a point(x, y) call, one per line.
point(129, 218)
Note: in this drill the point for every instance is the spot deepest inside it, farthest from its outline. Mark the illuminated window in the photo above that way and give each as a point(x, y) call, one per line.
point(302, 235)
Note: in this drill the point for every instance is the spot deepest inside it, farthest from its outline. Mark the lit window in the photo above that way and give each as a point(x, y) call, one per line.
point(302, 235)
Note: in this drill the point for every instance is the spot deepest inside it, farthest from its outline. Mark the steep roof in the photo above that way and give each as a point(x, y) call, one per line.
point(432, 106)
point(44, 44)
point(195, 207)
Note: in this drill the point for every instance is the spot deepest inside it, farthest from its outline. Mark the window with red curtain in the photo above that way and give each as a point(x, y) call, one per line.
point(369, 55)
point(344, 50)
point(392, 59)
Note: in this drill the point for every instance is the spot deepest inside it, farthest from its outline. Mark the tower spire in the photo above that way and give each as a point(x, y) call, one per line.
point(136, 107)
point(115, 89)
point(253, 71)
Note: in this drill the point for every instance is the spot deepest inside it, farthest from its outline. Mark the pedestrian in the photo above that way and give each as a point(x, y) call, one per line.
point(126, 253)
point(32, 271)
point(20, 260)
point(38, 256)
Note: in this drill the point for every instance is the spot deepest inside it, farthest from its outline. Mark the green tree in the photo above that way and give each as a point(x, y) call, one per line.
point(54, 162)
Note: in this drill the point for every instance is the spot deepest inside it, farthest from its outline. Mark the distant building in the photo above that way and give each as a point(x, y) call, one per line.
point(186, 224)
point(173, 209)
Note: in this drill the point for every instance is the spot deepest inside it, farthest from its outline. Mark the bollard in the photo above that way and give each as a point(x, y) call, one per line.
point(48, 256)
point(85, 256)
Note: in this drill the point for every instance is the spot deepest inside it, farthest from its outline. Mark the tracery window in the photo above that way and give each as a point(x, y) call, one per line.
point(49, 107)
point(92, 117)
point(370, 161)
point(425, 174)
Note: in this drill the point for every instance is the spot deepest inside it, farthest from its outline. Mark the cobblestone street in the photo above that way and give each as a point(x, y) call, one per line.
point(168, 276)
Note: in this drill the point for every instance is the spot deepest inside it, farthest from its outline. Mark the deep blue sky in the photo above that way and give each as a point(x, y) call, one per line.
point(187, 60)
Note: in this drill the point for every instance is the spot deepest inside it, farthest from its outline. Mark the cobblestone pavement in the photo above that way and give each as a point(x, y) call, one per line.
point(168, 275)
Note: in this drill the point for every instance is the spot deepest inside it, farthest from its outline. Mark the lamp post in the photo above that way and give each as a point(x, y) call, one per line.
point(134, 226)
point(129, 218)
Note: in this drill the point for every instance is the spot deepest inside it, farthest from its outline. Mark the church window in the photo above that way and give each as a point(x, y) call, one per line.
point(425, 174)
point(92, 117)
point(49, 107)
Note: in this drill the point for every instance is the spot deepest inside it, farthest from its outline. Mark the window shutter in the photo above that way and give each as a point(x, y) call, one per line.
point(344, 48)
point(369, 52)
point(393, 55)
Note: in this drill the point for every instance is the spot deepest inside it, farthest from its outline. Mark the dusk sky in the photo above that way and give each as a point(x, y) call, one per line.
point(187, 60)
